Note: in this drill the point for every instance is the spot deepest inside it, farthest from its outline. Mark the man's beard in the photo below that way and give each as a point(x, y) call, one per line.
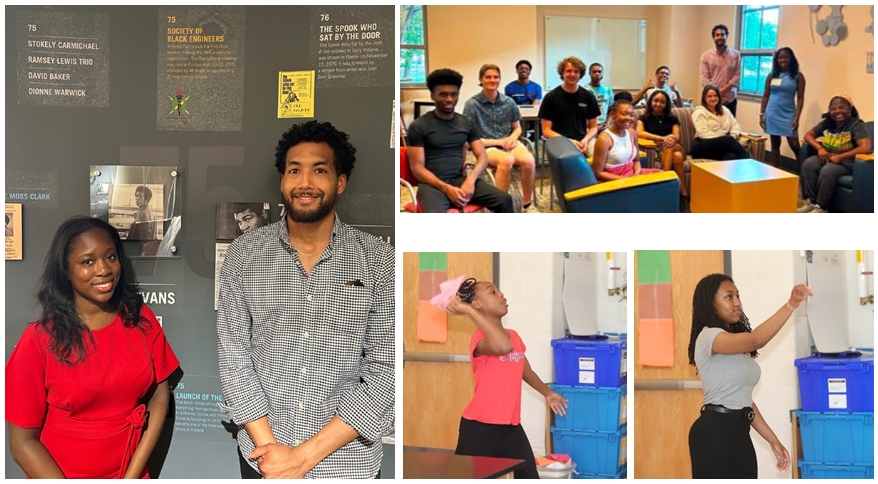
point(326, 206)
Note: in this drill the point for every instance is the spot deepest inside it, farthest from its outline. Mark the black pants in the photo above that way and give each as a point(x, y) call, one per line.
point(732, 107)
point(490, 440)
point(720, 447)
point(248, 472)
point(819, 180)
point(485, 194)
point(722, 148)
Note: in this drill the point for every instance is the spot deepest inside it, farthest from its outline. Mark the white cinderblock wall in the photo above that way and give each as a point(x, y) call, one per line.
point(861, 331)
point(765, 279)
point(533, 285)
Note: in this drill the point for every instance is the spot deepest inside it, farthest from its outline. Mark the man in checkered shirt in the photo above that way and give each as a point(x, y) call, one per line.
point(305, 327)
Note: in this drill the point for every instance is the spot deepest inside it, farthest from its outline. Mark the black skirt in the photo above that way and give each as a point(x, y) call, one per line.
point(720, 447)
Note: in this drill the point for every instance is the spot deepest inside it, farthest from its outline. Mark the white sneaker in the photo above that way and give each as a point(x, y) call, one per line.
point(532, 209)
point(808, 207)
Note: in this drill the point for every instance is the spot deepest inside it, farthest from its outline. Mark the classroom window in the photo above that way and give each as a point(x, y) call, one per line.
point(758, 27)
point(412, 46)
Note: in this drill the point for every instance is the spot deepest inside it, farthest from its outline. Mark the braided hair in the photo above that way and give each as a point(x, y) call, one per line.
point(704, 313)
point(467, 290)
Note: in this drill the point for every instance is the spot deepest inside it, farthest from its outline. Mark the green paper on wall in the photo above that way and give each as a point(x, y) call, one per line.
point(433, 261)
point(653, 266)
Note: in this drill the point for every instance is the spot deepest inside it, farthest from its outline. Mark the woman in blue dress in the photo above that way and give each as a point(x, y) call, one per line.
point(782, 102)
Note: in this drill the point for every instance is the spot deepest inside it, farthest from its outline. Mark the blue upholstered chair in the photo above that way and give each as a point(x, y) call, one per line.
point(579, 191)
point(855, 193)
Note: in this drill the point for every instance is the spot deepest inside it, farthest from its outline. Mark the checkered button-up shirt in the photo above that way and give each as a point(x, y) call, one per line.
point(302, 348)
point(494, 119)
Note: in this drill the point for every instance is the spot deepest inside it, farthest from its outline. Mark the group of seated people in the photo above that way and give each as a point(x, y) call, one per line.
point(603, 126)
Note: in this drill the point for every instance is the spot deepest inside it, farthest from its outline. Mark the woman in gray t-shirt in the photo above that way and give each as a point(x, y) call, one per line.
point(722, 347)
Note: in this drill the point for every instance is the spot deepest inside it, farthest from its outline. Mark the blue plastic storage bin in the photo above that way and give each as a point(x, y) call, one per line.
point(594, 452)
point(621, 475)
point(591, 362)
point(593, 409)
point(837, 384)
point(812, 470)
point(837, 438)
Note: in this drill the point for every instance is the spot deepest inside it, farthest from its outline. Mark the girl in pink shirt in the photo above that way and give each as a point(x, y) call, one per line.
point(491, 423)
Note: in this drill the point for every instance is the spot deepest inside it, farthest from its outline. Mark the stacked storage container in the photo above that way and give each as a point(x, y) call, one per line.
point(837, 417)
point(591, 374)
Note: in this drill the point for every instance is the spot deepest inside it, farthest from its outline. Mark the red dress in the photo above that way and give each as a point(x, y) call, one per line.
point(91, 413)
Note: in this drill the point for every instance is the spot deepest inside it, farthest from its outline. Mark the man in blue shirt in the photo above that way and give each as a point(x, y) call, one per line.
point(522, 90)
point(603, 94)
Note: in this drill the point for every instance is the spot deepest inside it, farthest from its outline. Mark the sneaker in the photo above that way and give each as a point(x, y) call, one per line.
point(532, 209)
point(808, 207)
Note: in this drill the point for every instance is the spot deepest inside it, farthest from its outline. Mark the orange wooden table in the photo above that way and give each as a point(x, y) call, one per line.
point(742, 186)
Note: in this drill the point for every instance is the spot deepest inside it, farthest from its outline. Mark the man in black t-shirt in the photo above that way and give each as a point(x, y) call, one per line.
point(436, 153)
point(569, 110)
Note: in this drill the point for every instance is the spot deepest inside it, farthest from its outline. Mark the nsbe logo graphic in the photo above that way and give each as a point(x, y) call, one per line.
point(515, 356)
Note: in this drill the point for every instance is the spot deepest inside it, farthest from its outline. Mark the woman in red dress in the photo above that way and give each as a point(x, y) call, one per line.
point(87, 385)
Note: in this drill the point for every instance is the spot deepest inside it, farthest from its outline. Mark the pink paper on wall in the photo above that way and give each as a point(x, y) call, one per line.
point(654, 301)
point(655, 342)
point(428, 283)
point(432, 323)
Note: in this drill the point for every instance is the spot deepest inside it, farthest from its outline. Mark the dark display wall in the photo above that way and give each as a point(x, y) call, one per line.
point(112, 96)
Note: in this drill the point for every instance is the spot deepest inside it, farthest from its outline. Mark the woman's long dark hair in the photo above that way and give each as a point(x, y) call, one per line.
point(794, 63)
point(704, 312)
point(60, 318)
point(719, 105)
point(659, 92)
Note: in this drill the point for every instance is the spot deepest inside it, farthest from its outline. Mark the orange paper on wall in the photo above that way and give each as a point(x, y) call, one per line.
point(432, 323)
point(656, 342)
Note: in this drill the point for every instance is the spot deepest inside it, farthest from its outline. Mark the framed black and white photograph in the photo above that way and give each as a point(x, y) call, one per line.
point(139, 202)
point(136, 210)
point(236, 218)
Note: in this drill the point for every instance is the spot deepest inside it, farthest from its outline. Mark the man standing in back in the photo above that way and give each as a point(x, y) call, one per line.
point(722, 66)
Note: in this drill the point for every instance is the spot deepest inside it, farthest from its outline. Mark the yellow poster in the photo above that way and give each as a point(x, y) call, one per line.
point(13, 231)
point(295, 94)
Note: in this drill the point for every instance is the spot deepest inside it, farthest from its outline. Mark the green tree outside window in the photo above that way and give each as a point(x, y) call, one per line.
point(758, 41)
point(413, 46)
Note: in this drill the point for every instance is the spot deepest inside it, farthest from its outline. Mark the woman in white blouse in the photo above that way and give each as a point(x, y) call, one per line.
point(716, 129)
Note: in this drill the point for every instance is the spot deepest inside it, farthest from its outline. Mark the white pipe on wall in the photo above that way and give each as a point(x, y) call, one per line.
point(862, 283)
point(611, 277)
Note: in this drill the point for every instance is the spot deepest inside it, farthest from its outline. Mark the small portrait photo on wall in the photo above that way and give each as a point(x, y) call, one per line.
point(234, 218)
point(137, 210)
